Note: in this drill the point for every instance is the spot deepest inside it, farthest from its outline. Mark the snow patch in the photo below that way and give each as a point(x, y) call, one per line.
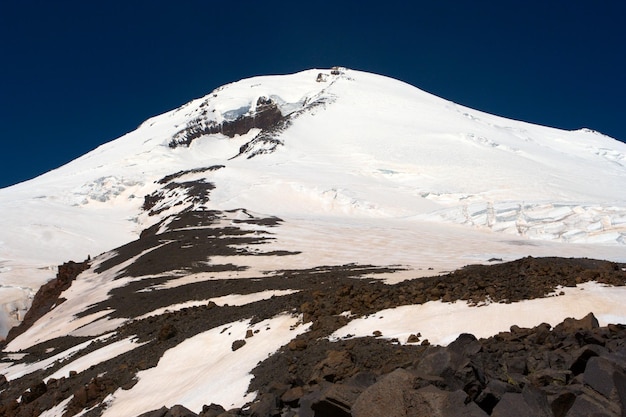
point(231, 300)
point(98, 356)
point(204, 369)
point(18, 370)
point(441, 323)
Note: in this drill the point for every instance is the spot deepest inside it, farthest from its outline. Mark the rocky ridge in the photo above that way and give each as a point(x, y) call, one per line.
point(268, 116)
point(574, 369)
point(539, 367)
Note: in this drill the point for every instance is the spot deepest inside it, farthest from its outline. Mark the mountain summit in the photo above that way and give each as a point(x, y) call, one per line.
point(284, 211)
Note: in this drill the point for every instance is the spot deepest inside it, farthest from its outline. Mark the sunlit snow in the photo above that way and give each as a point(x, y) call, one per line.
point(379, 150)
point(230, 299)
point(18, 370)
point(204, 369)
point(84, 362)
point(441, 323)
point(376, 173)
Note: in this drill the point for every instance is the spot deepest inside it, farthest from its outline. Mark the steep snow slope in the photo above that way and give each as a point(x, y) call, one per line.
point(356, 157)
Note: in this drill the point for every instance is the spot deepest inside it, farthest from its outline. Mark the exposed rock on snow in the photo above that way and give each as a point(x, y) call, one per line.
point(324, 276)
point(48, 295)
point(309, 370)
point(265, 116)
point(359, 156)
point(576, 368)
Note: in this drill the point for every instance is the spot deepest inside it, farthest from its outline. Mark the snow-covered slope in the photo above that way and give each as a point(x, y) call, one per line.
point(272, 210)
point(352, 155)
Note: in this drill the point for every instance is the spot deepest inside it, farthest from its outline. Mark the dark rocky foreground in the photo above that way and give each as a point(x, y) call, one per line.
point(574, 369)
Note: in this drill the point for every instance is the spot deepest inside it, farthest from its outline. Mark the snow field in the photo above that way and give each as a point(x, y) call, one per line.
point(378, 149)
point(93, 358)
point(14, 371)
point(418, 248)
point(204, 369)
point(231, 300)
point(441, 323)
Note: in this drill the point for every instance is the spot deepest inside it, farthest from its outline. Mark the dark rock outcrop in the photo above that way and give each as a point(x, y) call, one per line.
point(266, 116)
point(468, 378)
point(48, 296)
point(473, 377)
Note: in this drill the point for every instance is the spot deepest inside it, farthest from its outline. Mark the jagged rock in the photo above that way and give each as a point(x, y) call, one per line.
point(413, 338)
point(34, 392)
point(175, 411)
point(516, 362)
point(619, 379)
point(337, 365)
point(431, 401)
point(9, 408)
point(589, 322)
point(278, 388)
point(580, 358)
point(161, 412)
point(266, 117)
point(265, 406)
point(435, 361)
point(493, 392)
point(561, 403)
point(306, 403)
point(238, 344)
point(386, 397)
point(297, 344)
point(465, 345)
point(511, 405)
point(88, 394)
point(321, 77)
point(337, 399)
point(362, 380)
point(540, 333)
point(180, 411)
point(212, 410)
point(292, 396)
point(470, 410)
point(618, 358)
point(234, 412)
point(585, 406)
point(451, 364)
point(80, 397)
point(599, 376)
point(481, 372)
point(549, 376)
point(529, 403)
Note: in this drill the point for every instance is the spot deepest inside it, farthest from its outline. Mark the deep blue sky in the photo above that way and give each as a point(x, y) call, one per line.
point(76, 74)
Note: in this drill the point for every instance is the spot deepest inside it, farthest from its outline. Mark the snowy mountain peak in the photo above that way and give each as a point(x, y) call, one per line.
point(299, 228)
point(237, 108)
point(336, 150)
